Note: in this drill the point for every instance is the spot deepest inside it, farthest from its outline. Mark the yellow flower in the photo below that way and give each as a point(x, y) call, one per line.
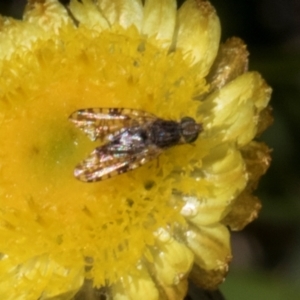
point(141, 234)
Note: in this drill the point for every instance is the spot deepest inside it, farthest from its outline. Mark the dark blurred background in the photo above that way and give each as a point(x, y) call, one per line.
point(266, 262)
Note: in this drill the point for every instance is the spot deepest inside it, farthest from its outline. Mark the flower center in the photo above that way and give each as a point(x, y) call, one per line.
point(111, 221)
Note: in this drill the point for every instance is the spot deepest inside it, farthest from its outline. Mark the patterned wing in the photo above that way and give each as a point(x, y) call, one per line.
point(111, 160)
point(100, 123)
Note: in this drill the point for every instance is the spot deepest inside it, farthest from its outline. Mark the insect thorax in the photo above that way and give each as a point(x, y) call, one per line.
point(165, 133)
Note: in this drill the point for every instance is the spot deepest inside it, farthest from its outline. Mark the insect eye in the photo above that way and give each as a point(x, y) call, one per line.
point(190, 129)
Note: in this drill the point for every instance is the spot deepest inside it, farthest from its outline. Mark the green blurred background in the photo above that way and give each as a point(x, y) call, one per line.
point(266, 262)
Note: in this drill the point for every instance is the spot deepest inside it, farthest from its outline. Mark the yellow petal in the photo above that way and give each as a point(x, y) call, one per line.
point(211, 247)
point(122, 12)
point(235, 109)
point(38, 278)
point(246, 207)
point(49, 15)
point(87, 13)
point(159, 20)
point(136, 287)
point(172, 263)
point(210, 244)
point(15, 34)
point(198, 33)
point(224, 176)
point(42, 20)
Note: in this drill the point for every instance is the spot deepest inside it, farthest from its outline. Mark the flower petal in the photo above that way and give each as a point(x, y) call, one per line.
point(49, 15)
point(232, 112)
point(41, 21)
point(245, 209)
point(257, 159)
point(211, 246)
point(224, 176)
point(15, 34)
point(159, 20)
point(135, 287)
point(87, 13)
point(198, 33)
point(38, 278)
point(172, 263)
point(122, 12)
point(231, 61)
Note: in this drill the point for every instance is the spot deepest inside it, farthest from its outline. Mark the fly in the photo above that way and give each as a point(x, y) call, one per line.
point(131, 138)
